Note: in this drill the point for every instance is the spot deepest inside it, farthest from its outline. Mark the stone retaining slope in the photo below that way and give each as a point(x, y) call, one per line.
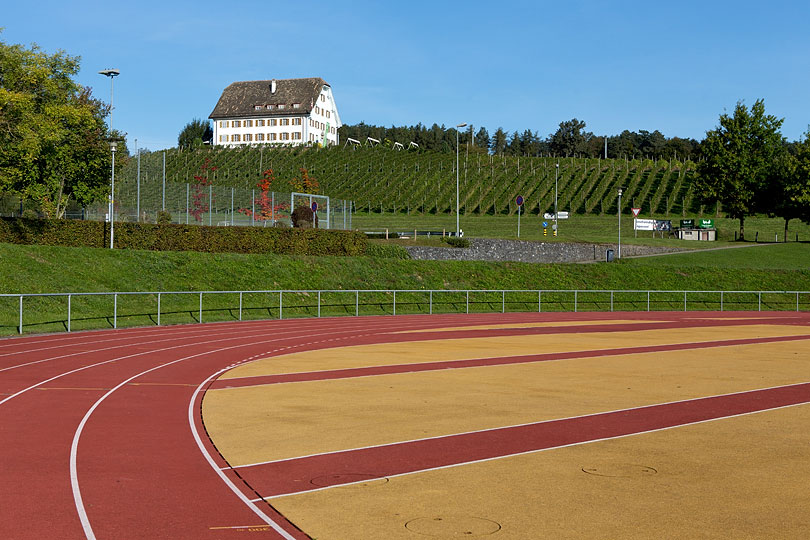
point(485, 249)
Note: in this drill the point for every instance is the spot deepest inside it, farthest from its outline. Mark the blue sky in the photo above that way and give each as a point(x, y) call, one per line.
point(671, 66)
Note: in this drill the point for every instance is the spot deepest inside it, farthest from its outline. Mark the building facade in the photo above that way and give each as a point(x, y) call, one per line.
point(283, 111)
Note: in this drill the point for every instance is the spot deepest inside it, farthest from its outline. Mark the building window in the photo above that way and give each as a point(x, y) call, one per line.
point(284, 136)
point(269, 107)
point(259, 123)
point(257, 107)
point(285, 122)
point(236, 123)
point(296, 135)
point(296, 105)
point(247, 137)
point(235, 138)
point(271, 136)
point(248, 123)
point(273, 122)
point(281, 106)
point(317, 110)
point(327, 114)
point(223, 123)
point(259, 137)
point(323, 97)
point(223, 138)
point(296, 121)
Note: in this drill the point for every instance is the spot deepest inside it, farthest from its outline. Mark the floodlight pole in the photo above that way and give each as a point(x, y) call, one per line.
point(111, 73)
point(556, 174)
point(620, 224)
point(458, 228)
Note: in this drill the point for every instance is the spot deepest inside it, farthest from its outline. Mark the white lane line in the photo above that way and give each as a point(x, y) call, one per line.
point(552, 420)
point(528, 452)
point(227, 481)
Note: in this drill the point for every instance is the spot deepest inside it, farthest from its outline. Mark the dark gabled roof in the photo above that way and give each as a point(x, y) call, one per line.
point(239, 99)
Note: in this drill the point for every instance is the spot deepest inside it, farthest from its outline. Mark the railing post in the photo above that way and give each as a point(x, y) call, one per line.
point(201, 307)
point(684, 301)
point(158, 317)
point(20, 328)
point(468, 303)
point(503, 301)
point(68, 317)
point(759, 301)
point(319, 303)
point(721, 300)
point(357, 303)
point(431, 302)
point(648, 300)
point(575, 301)
point(395, 302)
point(280, 304)
point(611, 301)
point(539, 301)
point(240, 305)
point(797, 307)
point(115, 310)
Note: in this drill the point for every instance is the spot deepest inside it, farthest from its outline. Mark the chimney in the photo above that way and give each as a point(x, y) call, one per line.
point(273, 86)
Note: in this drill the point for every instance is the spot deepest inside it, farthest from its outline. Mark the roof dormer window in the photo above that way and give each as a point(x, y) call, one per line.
point(257, 107)
point(296, 105)
point(281, 106)
point(269, 107)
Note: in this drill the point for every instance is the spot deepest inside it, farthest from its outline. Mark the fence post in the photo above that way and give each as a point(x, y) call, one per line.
point(240, 305)
point(431, 302)
point(187, 203)
point(721, 300)
point(357, 303)
point(468, 303)
point(648, 300)
point(115, 310)
point(797, 308)
point(759, 301)
point(503, 301)
point(319, 303)
point(231, 207)
point(252, 206)
point(611, 301)
point(684, 301)
point(280, 304)
point(575, 301)
point(19, 329)
point(68, 318)
point(201, 307)
point(395, 302)
point(539, 301)
point(158, 317)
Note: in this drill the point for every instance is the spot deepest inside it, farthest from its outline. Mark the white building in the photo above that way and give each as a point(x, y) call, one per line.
point(284, 111)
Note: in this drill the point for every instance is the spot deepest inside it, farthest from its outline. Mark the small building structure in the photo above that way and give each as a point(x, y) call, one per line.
point(704, 229)
point(277, 111)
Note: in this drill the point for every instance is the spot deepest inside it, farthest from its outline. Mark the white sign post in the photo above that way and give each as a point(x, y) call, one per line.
point(636, 211)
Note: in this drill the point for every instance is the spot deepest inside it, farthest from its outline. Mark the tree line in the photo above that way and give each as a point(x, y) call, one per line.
point(571, 139)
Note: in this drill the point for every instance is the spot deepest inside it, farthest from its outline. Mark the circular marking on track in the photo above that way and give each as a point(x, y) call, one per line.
point(453, 526)
point(620, 470)
point(351, 480)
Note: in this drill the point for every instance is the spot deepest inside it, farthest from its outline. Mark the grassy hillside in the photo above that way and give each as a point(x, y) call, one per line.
point(50, 269)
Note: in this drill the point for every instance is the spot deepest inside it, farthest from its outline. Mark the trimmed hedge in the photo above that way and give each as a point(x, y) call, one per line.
point(169, 237)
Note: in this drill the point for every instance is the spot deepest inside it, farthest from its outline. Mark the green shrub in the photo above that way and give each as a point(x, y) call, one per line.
point(456, 242)
point(171, 237)
point(164, 217)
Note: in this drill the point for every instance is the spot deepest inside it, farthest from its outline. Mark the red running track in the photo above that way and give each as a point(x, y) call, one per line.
point(102, 436)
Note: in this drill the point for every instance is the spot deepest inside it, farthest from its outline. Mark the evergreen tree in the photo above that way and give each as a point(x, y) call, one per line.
point(482, 138)
point(498, 141)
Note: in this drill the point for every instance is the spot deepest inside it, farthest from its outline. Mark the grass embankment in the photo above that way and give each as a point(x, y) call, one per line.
point(43, 269)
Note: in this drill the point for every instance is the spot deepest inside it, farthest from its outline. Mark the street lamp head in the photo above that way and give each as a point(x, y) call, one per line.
point(620, 191)
point(557, 165)
point(463, 124)
point(109, 72)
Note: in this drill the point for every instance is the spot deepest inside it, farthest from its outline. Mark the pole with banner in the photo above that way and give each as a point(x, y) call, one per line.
point(519, 201)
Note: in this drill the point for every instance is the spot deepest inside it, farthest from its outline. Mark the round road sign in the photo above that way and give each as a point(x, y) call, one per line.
point(519, 200)
point(314, 206)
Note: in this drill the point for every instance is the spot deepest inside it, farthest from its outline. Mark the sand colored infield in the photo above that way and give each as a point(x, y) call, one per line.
point(269, 422)
point(743, 477)
point(514, 345)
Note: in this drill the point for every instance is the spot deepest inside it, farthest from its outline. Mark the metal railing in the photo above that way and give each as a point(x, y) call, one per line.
point(104, 309)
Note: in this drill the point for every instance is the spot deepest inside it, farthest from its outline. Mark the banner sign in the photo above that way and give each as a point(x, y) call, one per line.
point(652, 224)
point(687, 224)
point(560, 215)
point(706, 224)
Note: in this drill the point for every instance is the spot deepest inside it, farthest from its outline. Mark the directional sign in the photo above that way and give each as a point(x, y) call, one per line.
point(545, 224)
point(314, 206)
point(519, 200)
point(636, 211)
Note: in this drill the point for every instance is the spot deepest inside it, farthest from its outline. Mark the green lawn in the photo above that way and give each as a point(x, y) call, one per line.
point(788, 256)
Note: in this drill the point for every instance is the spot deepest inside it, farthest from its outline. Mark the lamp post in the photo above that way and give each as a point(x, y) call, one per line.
point(556, 174)
point(111, 73)
point(458, 228)
point(620, 223)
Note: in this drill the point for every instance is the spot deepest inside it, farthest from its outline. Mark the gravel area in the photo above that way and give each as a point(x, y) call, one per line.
point(485, 249)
